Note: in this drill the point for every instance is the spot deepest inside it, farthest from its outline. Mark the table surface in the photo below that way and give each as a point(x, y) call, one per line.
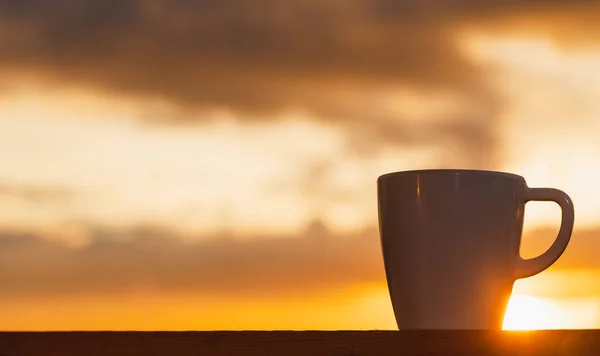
point(312, 343)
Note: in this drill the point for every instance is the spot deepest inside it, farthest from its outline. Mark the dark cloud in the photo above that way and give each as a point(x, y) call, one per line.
point(150, 259)
point(260, 58)
point(161, 260)
point(581, 253)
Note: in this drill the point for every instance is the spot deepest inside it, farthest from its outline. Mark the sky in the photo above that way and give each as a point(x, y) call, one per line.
point(211, 165)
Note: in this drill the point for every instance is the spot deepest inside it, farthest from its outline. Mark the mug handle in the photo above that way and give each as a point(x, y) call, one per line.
point(532, 266)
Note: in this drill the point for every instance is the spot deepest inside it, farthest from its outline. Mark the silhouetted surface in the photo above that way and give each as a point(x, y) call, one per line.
point(313, 343)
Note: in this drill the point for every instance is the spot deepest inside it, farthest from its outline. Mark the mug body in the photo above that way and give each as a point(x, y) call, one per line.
point(450, 241)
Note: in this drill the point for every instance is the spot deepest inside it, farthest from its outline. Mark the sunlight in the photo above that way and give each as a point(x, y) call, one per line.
point(208, 195)
point(526, 312)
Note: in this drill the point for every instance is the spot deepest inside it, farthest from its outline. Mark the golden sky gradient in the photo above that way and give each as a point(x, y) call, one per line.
point(212, 165)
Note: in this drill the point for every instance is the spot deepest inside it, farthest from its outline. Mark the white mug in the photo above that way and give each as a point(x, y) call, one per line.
point(451, 240)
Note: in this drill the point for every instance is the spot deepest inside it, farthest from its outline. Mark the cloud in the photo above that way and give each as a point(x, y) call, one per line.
point(156, 260)
point(35, 193)
point(332, 59)
point(150, 259)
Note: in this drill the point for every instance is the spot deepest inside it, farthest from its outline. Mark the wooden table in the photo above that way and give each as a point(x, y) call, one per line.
point(311, 343)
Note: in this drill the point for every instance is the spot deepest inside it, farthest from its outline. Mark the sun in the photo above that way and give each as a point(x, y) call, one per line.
point(526, 312)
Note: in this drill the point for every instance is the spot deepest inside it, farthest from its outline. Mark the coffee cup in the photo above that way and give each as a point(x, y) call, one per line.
point(451, 240)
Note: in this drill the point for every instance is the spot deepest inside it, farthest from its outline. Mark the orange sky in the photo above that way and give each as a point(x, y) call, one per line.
point(167, 167)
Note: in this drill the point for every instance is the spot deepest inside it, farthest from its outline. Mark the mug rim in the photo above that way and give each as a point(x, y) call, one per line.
point(450, 171)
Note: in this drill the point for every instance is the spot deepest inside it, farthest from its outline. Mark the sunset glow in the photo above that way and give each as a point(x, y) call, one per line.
point(168, 166)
